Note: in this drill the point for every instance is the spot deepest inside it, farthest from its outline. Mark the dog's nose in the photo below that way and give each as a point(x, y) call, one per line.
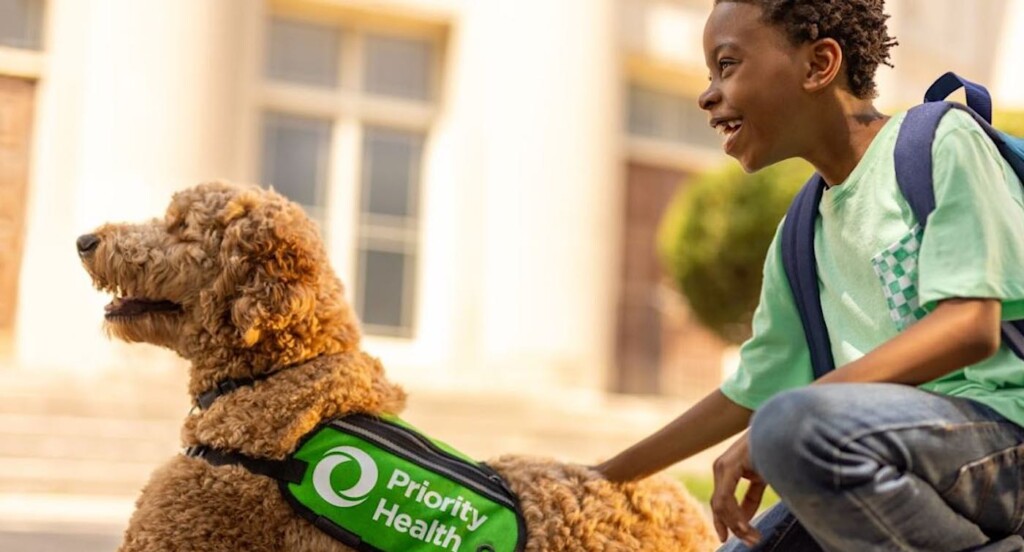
point(87, 243)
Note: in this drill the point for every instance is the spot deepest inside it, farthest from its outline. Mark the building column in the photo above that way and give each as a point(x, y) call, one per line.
point(135, 102)
point(551, 207)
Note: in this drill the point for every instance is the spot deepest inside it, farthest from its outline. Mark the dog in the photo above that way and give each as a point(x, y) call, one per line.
point(235, 279)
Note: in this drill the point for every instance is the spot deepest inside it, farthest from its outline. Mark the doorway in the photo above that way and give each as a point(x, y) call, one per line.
point(17, 103)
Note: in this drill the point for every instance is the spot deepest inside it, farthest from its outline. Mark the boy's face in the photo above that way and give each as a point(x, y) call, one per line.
point(755, 94)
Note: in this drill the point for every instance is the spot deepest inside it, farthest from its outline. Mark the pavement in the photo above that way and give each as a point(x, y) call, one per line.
point(62, 523)
point(49, 541)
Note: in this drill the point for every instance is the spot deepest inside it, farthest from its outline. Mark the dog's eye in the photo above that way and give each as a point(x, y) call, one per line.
point(171, 221)
point(176, 226)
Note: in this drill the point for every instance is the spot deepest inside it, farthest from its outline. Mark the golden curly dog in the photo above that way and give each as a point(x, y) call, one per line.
point(235, 279)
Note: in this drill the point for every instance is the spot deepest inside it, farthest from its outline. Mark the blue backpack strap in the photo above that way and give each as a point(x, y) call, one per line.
point(913, 159)
point(979, 103)
point(978, 97)
point(801, 266)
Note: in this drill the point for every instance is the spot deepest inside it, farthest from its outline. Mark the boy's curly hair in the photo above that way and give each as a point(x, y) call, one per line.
point(857, 25)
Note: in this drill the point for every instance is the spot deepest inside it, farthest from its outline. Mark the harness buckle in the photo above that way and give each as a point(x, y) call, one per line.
point(196, 451)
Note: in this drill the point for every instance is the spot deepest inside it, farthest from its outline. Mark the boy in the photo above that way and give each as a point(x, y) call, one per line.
point(912, 443)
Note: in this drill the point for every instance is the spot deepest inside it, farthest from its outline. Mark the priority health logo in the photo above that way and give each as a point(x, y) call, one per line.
point(354, 495)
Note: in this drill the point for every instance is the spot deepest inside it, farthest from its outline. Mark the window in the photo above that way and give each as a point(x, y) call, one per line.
point(295, 157)
point(398, 67)
point(322, 82)
point(668, 117)
point(388, 228)
point(21, 24)
point(303, 53)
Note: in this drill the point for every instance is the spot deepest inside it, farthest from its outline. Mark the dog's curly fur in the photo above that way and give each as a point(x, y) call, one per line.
point(248, 291)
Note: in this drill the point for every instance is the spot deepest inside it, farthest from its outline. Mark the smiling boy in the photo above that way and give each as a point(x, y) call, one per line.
point(915, 441)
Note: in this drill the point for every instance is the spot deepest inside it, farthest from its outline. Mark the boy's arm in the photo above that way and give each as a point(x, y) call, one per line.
point(709, 422)
point(958, 333)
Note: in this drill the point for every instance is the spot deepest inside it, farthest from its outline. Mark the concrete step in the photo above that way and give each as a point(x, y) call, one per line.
point(95, 400)
point(68, 437)
point(151, 405)
point(40, 522)
point(74, 476)
point(570, 426)
point(88, 436)
point(61, 424)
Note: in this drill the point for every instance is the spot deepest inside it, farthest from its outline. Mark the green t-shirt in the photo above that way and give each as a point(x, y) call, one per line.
point(879, 273)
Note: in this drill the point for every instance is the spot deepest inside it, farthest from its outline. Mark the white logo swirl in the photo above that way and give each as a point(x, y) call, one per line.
point(357, 493)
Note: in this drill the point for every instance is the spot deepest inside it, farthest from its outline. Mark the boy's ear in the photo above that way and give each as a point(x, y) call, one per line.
point(824, 64)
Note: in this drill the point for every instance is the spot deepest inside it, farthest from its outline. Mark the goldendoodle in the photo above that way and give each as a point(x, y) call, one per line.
point(235, 279)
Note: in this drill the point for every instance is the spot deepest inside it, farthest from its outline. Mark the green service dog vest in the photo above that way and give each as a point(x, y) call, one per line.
point(378, 485)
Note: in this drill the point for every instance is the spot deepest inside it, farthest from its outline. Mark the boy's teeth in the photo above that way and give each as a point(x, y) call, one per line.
point(727, 128)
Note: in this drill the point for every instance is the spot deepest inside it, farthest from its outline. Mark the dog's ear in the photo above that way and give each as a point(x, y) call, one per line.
point(271, 256)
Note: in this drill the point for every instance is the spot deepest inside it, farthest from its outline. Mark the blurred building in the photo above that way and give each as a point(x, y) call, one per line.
point(488, 174)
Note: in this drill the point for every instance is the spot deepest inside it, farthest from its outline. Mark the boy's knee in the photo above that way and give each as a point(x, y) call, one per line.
point(784, 431)
point(771, 438)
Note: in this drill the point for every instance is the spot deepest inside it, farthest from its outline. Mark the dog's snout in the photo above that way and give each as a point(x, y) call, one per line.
point(87, 243)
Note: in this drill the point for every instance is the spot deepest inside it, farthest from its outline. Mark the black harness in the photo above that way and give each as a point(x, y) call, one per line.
point(224, 387)
point(289, 470)
point(400, 450)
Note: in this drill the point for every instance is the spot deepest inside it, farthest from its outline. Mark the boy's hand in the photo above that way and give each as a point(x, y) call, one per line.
point(734, 464)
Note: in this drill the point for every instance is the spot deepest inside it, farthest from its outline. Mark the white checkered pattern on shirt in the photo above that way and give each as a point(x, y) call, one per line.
point(896, 267)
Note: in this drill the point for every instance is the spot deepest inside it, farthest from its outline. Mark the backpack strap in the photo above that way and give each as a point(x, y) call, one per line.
point(924, 120)
point(801, 266)
point(913, 159)
point(978, 98)
point(913, 154)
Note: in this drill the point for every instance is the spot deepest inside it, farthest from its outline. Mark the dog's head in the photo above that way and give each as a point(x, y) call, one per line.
point(233, 275)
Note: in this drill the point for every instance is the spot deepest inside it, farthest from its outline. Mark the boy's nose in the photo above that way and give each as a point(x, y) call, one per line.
point(87, 243)
point(709, 98)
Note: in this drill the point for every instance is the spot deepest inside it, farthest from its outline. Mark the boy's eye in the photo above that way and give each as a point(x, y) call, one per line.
point(722, 66)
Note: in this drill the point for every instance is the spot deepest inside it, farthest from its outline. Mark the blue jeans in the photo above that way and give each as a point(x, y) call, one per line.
point(879, 467)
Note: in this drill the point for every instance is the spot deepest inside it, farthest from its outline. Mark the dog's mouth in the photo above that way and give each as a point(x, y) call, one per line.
point(130, 307)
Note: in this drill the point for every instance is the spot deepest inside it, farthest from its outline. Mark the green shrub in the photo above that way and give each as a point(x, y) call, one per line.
point(702, 486)
point(714, 236)
point(1011, 122)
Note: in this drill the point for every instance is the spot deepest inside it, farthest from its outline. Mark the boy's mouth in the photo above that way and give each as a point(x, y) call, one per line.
point(129, 307)
point(729, 129)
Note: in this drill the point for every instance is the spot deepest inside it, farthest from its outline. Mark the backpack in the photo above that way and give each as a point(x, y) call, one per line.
point(913, 160)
